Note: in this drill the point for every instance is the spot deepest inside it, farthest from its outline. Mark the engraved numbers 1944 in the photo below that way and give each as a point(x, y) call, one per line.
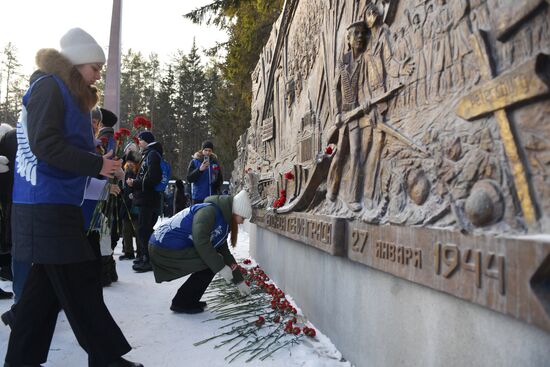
point(449, 259)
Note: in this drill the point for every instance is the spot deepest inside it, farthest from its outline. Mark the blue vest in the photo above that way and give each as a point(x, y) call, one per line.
point(177, 234)
point(37, 182)
point(202, 188)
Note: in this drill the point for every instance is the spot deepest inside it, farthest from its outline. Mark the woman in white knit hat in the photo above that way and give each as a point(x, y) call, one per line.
point(194, 241)
point(56, 154)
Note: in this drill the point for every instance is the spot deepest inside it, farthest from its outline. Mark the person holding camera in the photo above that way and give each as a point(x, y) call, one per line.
point(204, 173)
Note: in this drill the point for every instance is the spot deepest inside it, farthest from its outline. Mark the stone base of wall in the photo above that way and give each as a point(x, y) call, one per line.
point(377, 319)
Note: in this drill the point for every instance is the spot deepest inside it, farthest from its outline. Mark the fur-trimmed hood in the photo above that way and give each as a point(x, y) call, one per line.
point(198, 155)
point(50, 61)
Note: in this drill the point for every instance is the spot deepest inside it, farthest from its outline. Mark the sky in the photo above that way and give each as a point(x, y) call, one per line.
point(147, 26)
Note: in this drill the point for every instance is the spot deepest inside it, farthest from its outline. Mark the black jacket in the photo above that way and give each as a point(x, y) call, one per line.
point(149, 175)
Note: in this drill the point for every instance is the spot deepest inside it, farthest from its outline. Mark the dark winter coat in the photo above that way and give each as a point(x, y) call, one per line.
point(52, 233)
point(148, 176)
point(8, 148)
point(207, 182)
point(169, 264)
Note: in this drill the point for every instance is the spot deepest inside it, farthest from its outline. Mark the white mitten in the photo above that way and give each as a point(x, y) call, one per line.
point(227, 274)
point(244, 290)
point(4, 164)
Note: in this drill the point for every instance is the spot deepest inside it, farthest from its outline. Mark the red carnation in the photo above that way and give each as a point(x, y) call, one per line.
point(328, 150)
point(124, 131)
point(136, 140)
point(260, 321)
point(247, 261)
point(289, 175)
point(104, 140)
point(283, 193)
point(296, 330)
point(117, 135)
point(216, 168)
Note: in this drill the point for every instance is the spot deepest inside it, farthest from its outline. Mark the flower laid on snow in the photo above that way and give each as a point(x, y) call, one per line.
point(328, 150)
point(289, 176)
point(247, 262)
point(258, 325)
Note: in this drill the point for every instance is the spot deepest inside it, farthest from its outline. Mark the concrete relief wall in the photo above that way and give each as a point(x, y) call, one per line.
point(413, 137)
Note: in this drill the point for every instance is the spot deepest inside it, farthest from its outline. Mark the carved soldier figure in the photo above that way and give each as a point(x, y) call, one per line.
point(350, 75)
point(383, 73)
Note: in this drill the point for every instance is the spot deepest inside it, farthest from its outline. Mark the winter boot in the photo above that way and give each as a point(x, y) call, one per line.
point(121, 362)
point(106, 271)
point(5, 295)
point(8, 317)
point(144, 266)
point(114, 275)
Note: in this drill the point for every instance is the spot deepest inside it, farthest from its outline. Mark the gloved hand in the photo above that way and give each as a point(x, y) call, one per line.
point(244, 290)
point(4, 164)
point(227, 274)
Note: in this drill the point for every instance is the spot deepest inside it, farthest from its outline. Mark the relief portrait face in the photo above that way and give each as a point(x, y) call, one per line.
point(358, 37)
point(371, 17)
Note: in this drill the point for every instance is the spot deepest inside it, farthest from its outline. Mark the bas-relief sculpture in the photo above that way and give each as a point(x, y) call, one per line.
point(428, 117)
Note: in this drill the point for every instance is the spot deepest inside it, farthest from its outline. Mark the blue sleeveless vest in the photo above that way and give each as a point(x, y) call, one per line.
point(176, 234)
point(35, 181)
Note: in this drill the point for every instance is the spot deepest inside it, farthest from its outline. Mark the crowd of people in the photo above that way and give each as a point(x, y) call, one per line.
point(56, 169)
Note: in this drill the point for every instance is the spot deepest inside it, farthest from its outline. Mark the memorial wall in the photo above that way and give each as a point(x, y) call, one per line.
point(412, 137)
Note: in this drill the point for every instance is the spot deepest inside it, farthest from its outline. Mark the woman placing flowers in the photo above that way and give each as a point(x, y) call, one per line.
point(194, 241)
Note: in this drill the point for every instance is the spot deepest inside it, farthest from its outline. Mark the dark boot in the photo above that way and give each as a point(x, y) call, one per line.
point(121, 362)
point(188, 310)
point(8, 317)
point(112, 267)
point(126, 256)
point(5, 295)
point(106, 271)
point(143, 266)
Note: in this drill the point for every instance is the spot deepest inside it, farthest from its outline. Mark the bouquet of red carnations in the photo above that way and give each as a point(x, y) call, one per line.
point(107, 209)
point(258, 325)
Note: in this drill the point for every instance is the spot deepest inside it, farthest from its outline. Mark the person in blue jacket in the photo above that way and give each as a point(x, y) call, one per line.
point(194, 241)
point(55, 158)
point(204, 173)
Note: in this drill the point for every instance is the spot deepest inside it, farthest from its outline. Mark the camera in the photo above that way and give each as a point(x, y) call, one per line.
point(206, 158)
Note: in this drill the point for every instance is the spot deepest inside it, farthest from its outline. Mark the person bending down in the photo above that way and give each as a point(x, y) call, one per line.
point(194, 241)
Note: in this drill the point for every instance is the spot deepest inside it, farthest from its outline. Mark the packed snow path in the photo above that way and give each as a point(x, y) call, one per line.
point(162, 338)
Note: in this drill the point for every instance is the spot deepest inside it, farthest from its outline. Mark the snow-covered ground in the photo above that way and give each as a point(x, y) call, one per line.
point(161, 338)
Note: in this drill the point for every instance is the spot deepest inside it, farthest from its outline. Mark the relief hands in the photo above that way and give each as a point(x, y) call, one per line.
point(338, 120)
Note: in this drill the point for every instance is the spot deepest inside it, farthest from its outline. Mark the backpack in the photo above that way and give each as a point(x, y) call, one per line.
point(166, 173)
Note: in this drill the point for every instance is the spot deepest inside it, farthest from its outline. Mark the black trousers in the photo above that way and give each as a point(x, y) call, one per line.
point(76, 289)
point(147, 218)
point(190, 293)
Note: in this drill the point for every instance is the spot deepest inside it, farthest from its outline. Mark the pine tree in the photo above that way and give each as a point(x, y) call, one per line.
point(13, 84)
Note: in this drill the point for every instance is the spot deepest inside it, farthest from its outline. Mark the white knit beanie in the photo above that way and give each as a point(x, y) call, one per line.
point(241, 205)
point(81, 48)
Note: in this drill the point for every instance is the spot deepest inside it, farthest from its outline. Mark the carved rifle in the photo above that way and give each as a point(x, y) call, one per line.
point(384, 126)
